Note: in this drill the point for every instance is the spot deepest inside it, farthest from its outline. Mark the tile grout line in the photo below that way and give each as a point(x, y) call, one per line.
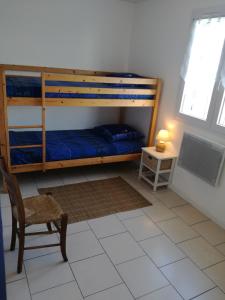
point(176, 244)
point(164, 220)
point(137, 258)
point(39, 256)
point(187, 257)
point(122, 281)
point(142, 239)
point(217, 245)
point(16, 280)
point(71, 270)
point(203, 293)
point(86, 258)
point(51, 288)
point(106, 289)
point(192, 224)
point(162, 273)
point(179, 246)
point(157, 290)
point(213, 265)
point(202, 271)
point(25, 271)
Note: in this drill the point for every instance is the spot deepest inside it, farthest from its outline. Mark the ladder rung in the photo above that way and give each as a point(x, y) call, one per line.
point(24, 126)
point(26, 146)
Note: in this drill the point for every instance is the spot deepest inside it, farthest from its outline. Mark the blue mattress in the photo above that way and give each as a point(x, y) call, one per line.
point(31, 87)
point(68, 144)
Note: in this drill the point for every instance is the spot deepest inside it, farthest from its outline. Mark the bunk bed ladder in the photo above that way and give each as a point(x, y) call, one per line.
point(5, 127)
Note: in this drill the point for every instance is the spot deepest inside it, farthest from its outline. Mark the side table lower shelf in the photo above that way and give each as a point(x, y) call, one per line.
point(149, 176)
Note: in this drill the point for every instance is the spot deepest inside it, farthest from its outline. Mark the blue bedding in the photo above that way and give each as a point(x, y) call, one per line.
point(68, 144)
point(31, 87)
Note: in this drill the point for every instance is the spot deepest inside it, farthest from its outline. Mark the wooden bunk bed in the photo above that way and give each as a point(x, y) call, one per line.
point(52, 75)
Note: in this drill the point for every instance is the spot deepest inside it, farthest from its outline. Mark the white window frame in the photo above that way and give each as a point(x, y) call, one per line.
point(211, 121)
point(220, 91)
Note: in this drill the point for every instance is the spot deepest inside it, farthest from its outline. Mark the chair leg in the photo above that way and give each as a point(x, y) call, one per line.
point(21, 249)
point(13, 236)
point(64, 221)
point(49, 226)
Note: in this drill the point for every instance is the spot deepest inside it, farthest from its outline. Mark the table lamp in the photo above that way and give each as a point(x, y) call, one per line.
point(162, 137)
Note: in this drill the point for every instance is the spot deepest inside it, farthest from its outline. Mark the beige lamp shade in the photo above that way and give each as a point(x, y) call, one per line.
point(163, 135)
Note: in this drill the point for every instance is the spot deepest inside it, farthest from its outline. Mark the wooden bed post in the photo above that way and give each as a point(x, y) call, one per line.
point(43, 113)
point(152, 129)
point(4, 138)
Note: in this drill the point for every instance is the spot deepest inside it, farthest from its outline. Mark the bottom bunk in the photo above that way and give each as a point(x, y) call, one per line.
point(64, 148)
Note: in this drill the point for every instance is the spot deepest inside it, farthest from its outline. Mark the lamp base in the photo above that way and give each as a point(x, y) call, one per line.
point(160, 147)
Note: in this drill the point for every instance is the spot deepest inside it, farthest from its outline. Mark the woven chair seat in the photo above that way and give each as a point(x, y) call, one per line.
point(40, 209)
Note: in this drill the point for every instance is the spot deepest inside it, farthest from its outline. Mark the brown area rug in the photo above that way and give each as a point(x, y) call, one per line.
point(93, 199)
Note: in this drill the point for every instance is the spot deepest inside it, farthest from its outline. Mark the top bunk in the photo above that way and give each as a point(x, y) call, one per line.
point(31, 86)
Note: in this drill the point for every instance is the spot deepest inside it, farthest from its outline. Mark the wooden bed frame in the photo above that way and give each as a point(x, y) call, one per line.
point(72, 75)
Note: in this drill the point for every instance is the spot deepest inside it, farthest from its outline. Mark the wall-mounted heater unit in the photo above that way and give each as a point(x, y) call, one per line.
point(202, 158)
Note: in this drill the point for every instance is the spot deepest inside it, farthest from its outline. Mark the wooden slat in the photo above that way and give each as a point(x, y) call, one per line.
point(97, 91)
point(19, 75)
point(75, 163)
point(153, 124)
point(114, 159)
point(22, 68)
point(24, 126)
point(26, 168)
point(100, 79)
point(98, 102)
point(81, 102)
point(23, 101)
point(26, 146)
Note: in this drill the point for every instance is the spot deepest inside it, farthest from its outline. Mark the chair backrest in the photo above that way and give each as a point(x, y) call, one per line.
point(13, 191)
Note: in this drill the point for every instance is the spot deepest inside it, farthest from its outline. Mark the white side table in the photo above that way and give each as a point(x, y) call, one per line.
point(157, 168)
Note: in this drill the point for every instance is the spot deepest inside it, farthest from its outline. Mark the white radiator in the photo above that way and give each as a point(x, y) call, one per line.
point(202, 158)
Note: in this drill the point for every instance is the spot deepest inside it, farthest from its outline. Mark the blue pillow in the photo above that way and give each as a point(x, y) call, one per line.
point(125, 75)
point(118, 132)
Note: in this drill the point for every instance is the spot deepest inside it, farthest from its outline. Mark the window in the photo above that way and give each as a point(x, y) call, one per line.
point(221, 116)
point(200, 69)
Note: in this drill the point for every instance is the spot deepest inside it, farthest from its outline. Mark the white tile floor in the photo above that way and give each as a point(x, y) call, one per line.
point(166, 251)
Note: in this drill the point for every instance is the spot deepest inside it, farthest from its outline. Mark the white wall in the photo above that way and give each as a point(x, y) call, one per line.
point(161, 32)
point(85, 34)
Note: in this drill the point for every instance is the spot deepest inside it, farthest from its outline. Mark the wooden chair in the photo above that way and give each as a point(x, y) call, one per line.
point(42, 209)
